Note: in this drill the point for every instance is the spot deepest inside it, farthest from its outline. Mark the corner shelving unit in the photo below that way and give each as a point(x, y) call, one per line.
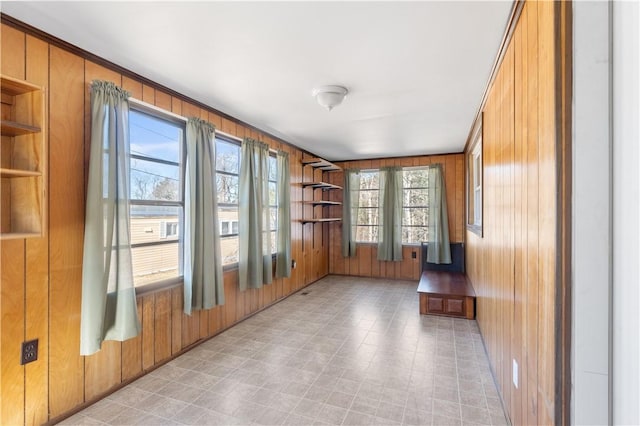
point(22, 159)
point(325, 166)
point(320, 163)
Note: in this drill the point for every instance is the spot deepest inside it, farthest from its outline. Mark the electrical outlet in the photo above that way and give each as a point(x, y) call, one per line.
point(515, 373)
point(294, 264)
point(414, 255)
point(29, 351)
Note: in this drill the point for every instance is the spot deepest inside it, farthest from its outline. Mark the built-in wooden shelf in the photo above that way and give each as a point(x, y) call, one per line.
point(322, 220)
point(11, 128)
point(320, 185)
point(323, 203)
point(15, 173)
point(19, 235)
point(13, 86)
point(23, 162)
point(322, 164)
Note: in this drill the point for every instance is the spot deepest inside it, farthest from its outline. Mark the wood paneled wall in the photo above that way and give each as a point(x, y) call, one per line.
point(41, 277)
point(366, 262)
point(513, 267)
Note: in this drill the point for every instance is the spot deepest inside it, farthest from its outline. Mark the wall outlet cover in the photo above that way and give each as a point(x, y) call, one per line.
point(29, 351)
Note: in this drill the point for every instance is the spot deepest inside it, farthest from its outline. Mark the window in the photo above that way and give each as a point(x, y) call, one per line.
point(227, 184)
point(415, 209)
point(273, 200)
point(168, 229)
point(474, 182)
point(157, 203)
point(368, 196)
point(228, 227)
point(415, 205)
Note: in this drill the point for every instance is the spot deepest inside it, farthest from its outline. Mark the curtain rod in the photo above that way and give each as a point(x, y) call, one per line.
point(148, 106)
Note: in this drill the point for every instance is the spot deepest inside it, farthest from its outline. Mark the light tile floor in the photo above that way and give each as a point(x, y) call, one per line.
point(346, 350)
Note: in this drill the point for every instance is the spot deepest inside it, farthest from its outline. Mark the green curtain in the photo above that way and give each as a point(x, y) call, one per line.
point(439, 250)
point(203, 285)
point(390, 214)
point(108, 295)
point(283, 246)
point(255, 264)
point(350, 199)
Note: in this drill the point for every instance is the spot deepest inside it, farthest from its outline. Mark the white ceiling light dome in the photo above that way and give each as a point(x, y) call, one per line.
point(330, 96)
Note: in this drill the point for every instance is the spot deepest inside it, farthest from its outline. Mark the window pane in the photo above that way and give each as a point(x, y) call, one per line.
point(367, 216)
point(154, 137)
point(367, 234)
point(369, 180)
point(273, 200)
point(228, 217)
point(154, 181)
point(273, 218)
point(415, 197)
point(227, 188)
point(229, 248)
point(274, 243)
point(156, 262)
point(156, 226)
point(150, 223)
point(369, 198)
point(414, 235)
point(273, 170)
point(415, 178)
point(415, 217)
point(227, 156)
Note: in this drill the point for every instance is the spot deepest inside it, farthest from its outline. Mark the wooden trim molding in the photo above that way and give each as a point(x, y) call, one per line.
point(564, 83)
point(514, 16)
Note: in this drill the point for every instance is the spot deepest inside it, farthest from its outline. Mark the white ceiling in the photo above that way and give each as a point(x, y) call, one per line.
point(416, 71)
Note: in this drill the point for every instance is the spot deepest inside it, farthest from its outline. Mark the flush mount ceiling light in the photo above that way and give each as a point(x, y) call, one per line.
point(330, 96)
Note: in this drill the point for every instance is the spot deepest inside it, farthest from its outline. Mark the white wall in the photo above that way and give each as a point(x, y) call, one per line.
point(626, 214)
point(591, 210)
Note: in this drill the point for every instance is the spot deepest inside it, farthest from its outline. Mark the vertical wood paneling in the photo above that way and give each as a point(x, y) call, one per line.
point(518, 395)
point(12, 328)
point(547, 211)
point(12, 273)
point(513, 267)
point(531, 166)
point(66, 229)
point(132, 351)
point(176, 319)
point(231, 295)
point(162, 326)
point(37, 270)
point(148, 331)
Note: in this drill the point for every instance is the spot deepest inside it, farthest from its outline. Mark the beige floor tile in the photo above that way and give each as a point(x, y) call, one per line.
point(351, 351)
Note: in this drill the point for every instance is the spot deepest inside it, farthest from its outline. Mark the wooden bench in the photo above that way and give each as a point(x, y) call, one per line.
point(446, 293)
